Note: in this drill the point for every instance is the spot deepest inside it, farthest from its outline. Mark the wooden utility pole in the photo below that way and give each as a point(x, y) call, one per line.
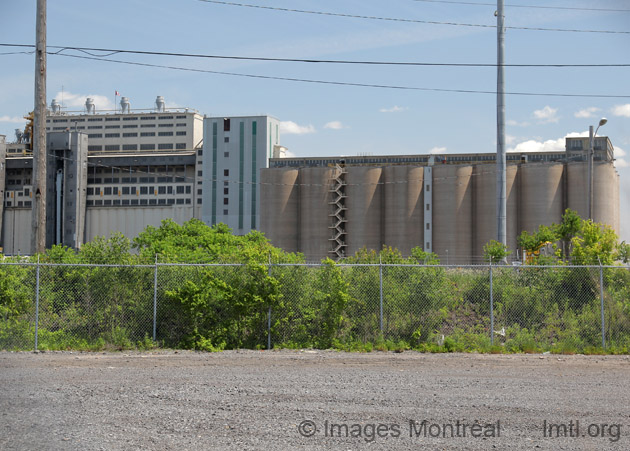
point(38, 221)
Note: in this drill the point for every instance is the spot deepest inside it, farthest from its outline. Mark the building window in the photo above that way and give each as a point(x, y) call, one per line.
point(226, 154)
point(112, 135)
point(226, 125)
point(226, 139)
point(95, 135)
point(161, 189)
point(225, 212)
point(180, 133)
point(130, 147)
point(165, 125)
point(165, 133)
point(91, 127)
point(130, 135)
point(112, 126)
point(130, 126)
point(112, 147)
point(125, 190)
point(144, 190)
point(428, 207)
point(147, 146)
point(111, 119)
point(226, 172)
point(147, 125)
point(226, 191)
point(180, 190)
point(428, 187)
point(147, 134)
point(180, 146)
point(199, 192)
point(165, 146)
point(428, 225)
point(199, 173)
point(225, 201)
point(107, 191)
point(180, 201)
point(130, 118)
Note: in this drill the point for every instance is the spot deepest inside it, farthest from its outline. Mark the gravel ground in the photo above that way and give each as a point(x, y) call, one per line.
point(263, 399)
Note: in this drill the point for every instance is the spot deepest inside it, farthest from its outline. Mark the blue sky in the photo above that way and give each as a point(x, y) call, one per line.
point(324, 119)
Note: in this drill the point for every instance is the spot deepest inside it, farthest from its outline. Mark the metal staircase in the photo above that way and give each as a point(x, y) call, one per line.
point(338, 213)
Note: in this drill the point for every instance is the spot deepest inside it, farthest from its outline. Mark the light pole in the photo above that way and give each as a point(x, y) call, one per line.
point(591, 141)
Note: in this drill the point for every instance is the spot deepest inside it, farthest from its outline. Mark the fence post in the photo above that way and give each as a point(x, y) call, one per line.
point(380, 267)
point(491, 309)
point(601, 296)
point(269, 312)
point(155, 271)
point(37, 304)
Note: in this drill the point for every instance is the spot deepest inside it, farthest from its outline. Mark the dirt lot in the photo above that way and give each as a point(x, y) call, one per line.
point(312, 400)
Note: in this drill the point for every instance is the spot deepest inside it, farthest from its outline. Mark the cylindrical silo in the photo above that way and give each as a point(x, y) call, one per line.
point(605, 199)
point(314, 211)
point(363, 228)
point(485, 208)
point(402, 207)
point(512, 208)
point(541, 195)
point(577, 187)
point(279, 194)
point(452, 213)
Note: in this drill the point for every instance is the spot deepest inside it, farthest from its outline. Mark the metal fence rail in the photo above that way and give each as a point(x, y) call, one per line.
point(515, 308)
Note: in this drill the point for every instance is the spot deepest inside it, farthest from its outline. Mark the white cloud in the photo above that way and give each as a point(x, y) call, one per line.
point(291, 128)
point(334, 125)
point(621, 110)
point(437, 150)
point(587, 112)
point(537, 146)
point(509, 139)
point(547, 114)
point(15, 119)
point(619, 152)
point(513, 123)
point(394, 109)
point(72, 101)
point(621, 163)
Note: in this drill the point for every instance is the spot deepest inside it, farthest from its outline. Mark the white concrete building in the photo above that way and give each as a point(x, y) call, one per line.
point(234, 151)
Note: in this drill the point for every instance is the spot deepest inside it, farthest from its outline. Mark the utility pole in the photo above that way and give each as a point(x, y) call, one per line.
point(38, 220)
point(501, 160)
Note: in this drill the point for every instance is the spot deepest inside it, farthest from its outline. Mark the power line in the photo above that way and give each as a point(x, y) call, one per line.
point(395, 19)
point(570, 8)
point(110, 52)
point(340, 83)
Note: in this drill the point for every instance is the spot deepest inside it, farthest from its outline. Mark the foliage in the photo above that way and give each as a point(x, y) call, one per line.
point(495, 251)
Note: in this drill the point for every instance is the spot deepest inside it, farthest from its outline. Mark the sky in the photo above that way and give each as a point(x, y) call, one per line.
point(447, 107)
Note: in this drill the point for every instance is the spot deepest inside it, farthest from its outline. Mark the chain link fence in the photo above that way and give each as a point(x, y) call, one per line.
point(433, 307)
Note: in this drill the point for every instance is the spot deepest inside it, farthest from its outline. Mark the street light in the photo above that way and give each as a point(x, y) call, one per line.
point(591, 140)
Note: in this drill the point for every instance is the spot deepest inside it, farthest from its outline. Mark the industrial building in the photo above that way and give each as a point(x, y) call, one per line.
point(124, 170)
point(446, 204)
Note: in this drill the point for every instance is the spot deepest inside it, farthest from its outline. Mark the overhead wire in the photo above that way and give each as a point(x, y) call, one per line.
point(398, 19)
point(340, 83)
point(512, 5)
point(109, 52)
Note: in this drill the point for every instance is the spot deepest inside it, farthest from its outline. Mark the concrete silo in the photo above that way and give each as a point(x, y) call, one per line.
point(364, 194)
point(314, 212)
point(403, 207)
point(577, 187)
point(484, 222)
point(280, 197)
point(541, 188)
point(452, 213)
point(605, 194)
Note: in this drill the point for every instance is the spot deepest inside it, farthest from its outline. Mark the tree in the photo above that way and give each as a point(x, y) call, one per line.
point(495, 251)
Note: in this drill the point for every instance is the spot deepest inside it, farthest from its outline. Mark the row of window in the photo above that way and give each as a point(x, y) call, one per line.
point(20, 203)
point(116, 180)
point(133, 134)
point(115, 147)
point(130, 202)
point(134, 191)
point(114, 119)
